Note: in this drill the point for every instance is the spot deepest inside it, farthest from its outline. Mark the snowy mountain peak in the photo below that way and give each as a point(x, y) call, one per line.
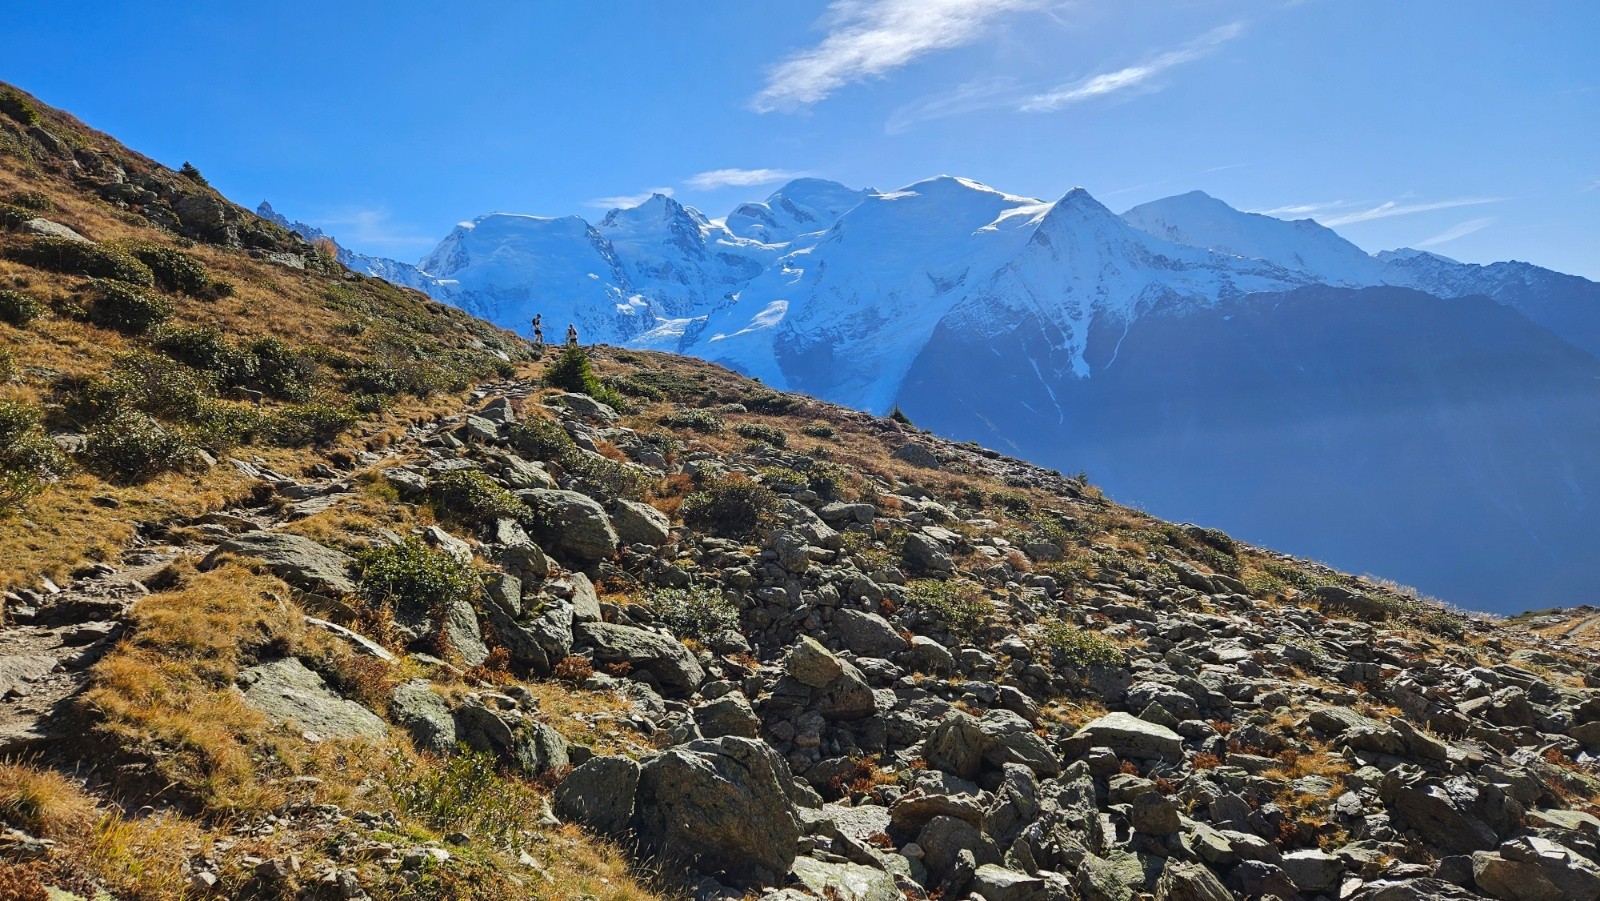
point(1200, 220)
point(803, 206)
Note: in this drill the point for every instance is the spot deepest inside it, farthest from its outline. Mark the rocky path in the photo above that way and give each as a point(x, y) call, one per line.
point(53, 634)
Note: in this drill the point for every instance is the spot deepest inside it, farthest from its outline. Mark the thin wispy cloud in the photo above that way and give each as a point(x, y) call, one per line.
point(869, 38)
point(623, 201)
point(1003, 92)
point(1138, 77)
point(1390, 208)
point(1305, 209)
point(1460, 230)
point(1593, 183)
point(739, 178)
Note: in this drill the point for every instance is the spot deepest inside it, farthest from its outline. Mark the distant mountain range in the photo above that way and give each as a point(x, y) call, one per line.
point(1401, 413)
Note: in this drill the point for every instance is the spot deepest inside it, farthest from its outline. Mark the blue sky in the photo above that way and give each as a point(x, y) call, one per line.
point(1469, 127)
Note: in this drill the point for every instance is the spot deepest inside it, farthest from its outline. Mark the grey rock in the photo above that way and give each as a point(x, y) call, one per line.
point(45, 228)
point(586, 407)
point(665, 659)
point(721, 805)
point(301, 562)
point(1182, 881)
point(573, 526)
point(955, 745)
point(1008, 738)
point(923, 554)
point(944, 838)
point(599, 795)
point(728, 715)
point(931, 657)
point(868, 634)
point(458, 626)
point(511, 737)
point(847, 697)
point(812, 664)
point(287, 692)
point(997, 883)
point(425, 715)
point(1129, 736)
point(845, 881)
point(1313, 871)
point(917, 455)
point(639, 523)
point(1154, 814)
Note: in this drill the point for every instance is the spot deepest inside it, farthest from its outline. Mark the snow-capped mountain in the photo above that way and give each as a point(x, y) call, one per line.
point(1565, 304)
point(1264, 376)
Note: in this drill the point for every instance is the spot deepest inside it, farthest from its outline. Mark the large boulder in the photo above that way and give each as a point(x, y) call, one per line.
point(1443, 813)
point(925, 555)
point(721, 805)
point(867, 634)
point(639, 523)
point(661, 657)
point(955, 745)
point(1008, 738)
point(845, 881)
point(287, 692)
point(811, 664)
point(599, 795)
point(303, 563)
point(1190, 882)
point(1129, 736)
point(730, 714)
point(847, 697)
point(571, 525)
point(420, 711)
point(516, 740)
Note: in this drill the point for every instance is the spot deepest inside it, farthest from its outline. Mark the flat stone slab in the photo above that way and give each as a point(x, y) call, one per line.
point(287, 692)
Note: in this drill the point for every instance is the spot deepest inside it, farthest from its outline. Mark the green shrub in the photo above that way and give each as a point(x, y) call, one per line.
point(77, 258)
point(17, 107)
point(632, 387)
point(144, 383)
point(818, 430)
point(605, 478)
point(572, 371)
point(205, 348)
point(772, 402)
point(958, 606)
point(221, 425)
point(412, 575)
point(190, 171)
point(12, 217)
point(38, 201)
point(308, 424)
point(764, 433)
point(827, 479)
point(281, 371)
point(462, 793)
point(19, 309)
point(541, 439)
point(700, 612)
point(174, 270)
point(8, 364)
point(1070, 646)
point(130, 448)
point(703, 421)
point(121, 306)
point(470, 496)
point(732, 507)
point(898, 415)
point(28, 458)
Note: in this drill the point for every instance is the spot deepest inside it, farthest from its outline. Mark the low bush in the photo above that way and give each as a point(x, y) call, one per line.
point(958, 606)
point(174, 270)
point(70, 257)
point(413, 575)
point(772, 402)
point(12, 217)
point(144, 383)
point(18, 108)
point(282, 372)
point(703, 421)
point(19, 309)
point(37, 201)
point(603, 478)
point(121, 306)
point(1071, 646)
point(464, 793)
point(130, 448)
point(205, 348)
point(632, 387)
point(732, 507)
point(764, 433)
point(817, 430)
point(309, 424)
point(470, 496)
point(28, 458)
point(541, 439)
point(700, 613)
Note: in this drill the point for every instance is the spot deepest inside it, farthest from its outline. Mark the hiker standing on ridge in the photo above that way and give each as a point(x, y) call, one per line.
point(538, 330)
point(572, 335)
